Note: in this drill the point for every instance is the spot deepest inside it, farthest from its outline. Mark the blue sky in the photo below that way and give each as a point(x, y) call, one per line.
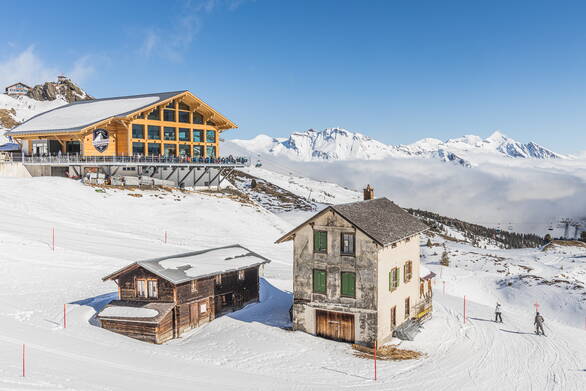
point(397, 71)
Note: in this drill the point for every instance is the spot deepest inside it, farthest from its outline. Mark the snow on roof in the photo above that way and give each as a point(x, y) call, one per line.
point(129, 312)
point(78, 115)
point(425, 273)
point(184, 267)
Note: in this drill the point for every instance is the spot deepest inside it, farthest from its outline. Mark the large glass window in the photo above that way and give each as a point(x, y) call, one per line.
point(319, 281)
point(320, 241)
point(169, 115)
point(211, 151)
point(154, 149)
point(197, 135)
point(347, 244)
point(137, 131)
point(169, 133)
point(184, 134)
point(183, 106)
point(348, 284)
point(170, 150)
point(184, 117)
point(197, 151)
point(171, 105)
point(210, 136)
point(138, 148)
point(197, 118)
point(184, 150)
point(155, 115)
point(154, 132)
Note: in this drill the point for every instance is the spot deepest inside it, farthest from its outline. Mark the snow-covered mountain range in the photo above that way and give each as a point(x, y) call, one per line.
point(342, 144)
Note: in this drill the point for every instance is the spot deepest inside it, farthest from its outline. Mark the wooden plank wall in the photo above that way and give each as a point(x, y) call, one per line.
point(127, 284)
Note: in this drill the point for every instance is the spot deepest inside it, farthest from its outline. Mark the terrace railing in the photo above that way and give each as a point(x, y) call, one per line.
point(64, 159)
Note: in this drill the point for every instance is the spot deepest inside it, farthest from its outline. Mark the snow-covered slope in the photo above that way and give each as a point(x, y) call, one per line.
point(341, 144)
point(249, 350)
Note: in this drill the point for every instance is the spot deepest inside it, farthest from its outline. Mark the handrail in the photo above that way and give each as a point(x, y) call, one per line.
point(76, 159)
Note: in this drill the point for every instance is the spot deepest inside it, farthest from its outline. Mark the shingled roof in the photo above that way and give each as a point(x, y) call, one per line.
point(380, 219)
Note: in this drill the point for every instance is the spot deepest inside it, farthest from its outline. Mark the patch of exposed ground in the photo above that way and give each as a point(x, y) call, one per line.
point(386, 353)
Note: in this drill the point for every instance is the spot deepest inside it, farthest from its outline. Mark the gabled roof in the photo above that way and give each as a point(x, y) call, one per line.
point(15, 84)
point(380, 219)
point(180, 268)
point(78, 116)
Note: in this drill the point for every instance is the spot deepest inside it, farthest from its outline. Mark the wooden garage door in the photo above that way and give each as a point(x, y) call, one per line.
point(335, 325)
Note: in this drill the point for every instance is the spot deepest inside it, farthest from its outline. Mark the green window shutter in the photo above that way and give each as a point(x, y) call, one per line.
point(391, 280)
point(398, 276)
point(319, 281)
point(320, 241)
point(349, 284)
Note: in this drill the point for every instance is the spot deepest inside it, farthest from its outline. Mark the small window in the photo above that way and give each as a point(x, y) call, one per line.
point(138, 148)
point(154, 149)
point(210, 151)
point(154, 132)
point(407, 271)
point(197, 118)
point(241, 275)
point(197, 151)
point(171, 105)
point(407, 307)
point(210, 136)
point(393, 317)
point(348, 243)
point(184, 117)
point(169, 115)
point(218, 279)
point(319, 281)
point(394, 279)
point(184, 134)
point(183, 106)
point(194, 286)
point(348, 284)
point(197, 135)
point(169, 133)
point(137, 131)
point(141, 290)
point(320, 241)
point(203, 308)
point(153, 288)
point(155, 115)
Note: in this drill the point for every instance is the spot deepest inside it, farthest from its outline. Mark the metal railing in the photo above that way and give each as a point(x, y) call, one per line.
point(170, 160)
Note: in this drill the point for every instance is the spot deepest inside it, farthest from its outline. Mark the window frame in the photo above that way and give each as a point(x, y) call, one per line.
point(193, 286)
point(407, 271)
point(393, 317)
point(241, 275)
point(353, 236)
point(153, 128)
point(142, 131)
point(170, 129)
point(147, 284)
point(313, 281)
point(407, 307)
point(394, 279)
point(315, 248)
point(342, 294)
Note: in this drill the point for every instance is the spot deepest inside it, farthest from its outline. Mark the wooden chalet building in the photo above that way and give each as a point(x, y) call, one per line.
point(161, 298)
point(356, 271)
point(17, 89)
point(158, 134)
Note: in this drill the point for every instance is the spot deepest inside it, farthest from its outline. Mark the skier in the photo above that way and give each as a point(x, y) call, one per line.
point(498, 314)
point(539, 324)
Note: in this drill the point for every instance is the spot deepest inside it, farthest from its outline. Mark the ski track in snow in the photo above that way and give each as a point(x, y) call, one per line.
point(246, 350)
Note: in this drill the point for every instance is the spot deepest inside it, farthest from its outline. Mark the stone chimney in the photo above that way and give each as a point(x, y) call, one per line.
point(368, 193)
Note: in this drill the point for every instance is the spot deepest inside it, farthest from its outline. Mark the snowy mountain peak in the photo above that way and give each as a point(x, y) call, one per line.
point(342, 144)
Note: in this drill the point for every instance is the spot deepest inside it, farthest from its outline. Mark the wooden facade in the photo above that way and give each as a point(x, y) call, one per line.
point(192, 303)
point(179, 126)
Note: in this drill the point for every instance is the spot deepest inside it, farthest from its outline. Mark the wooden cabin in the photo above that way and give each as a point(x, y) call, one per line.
point(356, 271)
point(162, 298)
point(172, 124)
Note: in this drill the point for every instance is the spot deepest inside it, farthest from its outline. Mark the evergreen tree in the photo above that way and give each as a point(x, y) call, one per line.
point(445, 261)
point(429, 244)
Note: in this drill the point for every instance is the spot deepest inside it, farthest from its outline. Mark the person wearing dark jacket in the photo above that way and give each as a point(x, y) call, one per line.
point(498, 313)
point(539, 324)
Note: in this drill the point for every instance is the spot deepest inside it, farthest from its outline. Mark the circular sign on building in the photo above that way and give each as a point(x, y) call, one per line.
point(101, 139)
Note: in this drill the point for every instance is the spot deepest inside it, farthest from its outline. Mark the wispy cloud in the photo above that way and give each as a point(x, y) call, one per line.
point(172, 43)
point(26, 66)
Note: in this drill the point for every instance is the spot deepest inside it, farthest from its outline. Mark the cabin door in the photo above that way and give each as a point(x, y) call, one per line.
point(335, 325)
point(193, 314)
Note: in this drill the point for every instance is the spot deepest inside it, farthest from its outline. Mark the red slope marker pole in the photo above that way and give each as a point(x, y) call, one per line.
point(23, 362)
point(375, 346)
point(64, 316)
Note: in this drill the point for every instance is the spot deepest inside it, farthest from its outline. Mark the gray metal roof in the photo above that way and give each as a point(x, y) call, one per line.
point(381, 219)
point(44, 122)
point(180, 268)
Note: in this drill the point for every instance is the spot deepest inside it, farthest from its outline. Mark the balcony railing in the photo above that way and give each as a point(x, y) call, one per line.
point(65, 159)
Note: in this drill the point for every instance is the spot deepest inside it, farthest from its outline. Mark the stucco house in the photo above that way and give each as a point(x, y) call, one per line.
point(356, 271)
